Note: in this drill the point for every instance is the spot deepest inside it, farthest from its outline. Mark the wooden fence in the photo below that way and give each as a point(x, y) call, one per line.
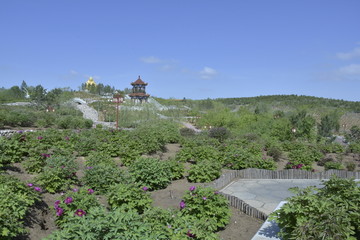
point(251, 173)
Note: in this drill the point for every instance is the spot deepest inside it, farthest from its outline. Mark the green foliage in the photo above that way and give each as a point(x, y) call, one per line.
point(100, 177)
point(187, 132)
point(100, 224)
point(304, 156)
point(198, 154)
point(204, 171)
point(58, 174)
point(66, 208)
point(303, 124)
point(332, 148)
point(219, 133)
point(151, 172)
point(129, 197)
point(208, 205)
point(97, 158)
point(177, 169)
point(354, 147)
point(331, 212)
point(333, 165)
point(15, 200)
point(328, 124)
point(354, 134)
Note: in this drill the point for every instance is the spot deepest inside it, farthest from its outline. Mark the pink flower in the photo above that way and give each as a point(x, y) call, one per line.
point(39, 137)
point(192, 188)
point(37, 189)
point(30, 184)
point(182, 204)
point(56, 203)
point(90, 191)
point(68, 200)
point(204, 198)
point(59, 211)
point(145, 188)
point(80, 212)
point(75, 190)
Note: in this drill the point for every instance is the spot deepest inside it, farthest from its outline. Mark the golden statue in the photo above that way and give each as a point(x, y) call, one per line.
point(89, 83)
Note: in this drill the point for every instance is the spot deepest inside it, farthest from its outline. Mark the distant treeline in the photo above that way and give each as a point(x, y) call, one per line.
point(292, 101)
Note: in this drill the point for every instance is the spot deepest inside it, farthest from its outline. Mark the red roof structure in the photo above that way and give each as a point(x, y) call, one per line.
point(138, 91)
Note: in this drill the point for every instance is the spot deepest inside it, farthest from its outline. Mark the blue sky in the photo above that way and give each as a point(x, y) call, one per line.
point(190, 48)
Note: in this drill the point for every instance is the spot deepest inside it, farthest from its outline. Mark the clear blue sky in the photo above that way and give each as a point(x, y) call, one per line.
point(185, 48)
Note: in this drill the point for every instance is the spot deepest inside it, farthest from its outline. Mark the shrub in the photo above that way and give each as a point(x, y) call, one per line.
point(198, 154)
point(305, 157)
point(205, 171)
point(74, 204)
point(15, 200)
point(151, 172)
point(100, 224)
point(187, 132)
point(101, 177)
point(275, 152)
point(219, 133)
point(333, 165)
point(177, 169)
point(129, 197)
point(350, 166)
point(58, 174)
point(331, 212)
point(323, 161)
point(208, 205)
point(97, 158)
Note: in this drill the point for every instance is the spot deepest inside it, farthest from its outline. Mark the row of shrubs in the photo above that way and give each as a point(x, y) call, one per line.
point(63, 118)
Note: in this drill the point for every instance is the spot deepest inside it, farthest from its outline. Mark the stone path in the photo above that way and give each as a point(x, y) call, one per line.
point(266, 194)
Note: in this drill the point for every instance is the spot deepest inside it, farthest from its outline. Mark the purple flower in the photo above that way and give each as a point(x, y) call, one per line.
point(67, 138)
point(20, 131)
point(190, 234)
point(68, 200)
point(90, 191)
point(30, 184)
point(182, 204)
point(59, 211)
point(37, 189)
point(204, 198)
point(217, 192)
point(56, 204)
point(169, 226)
point(192, 188)
point(145, 188)
point(80, 212)
point(75, 190)
point(39, 137)
point(89, 167)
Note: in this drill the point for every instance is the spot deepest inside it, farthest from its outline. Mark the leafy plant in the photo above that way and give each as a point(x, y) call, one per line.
point(220, 133)
point(331, 212)
point(204, 171)
point(151, 172)
point(74, 204)
point(129, 197)
point(101, 177)
point(58, 174)
point(206, 204)
point(333, 165)
point(15, 200)
point(177, 169)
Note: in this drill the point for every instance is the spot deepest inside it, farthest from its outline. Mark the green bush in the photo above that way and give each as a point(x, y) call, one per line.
point(208, 205)
point(219, 133)
point(198, 154)
point(177, 169)
point(187, 132)
point(58, 174)
point(97, 158)
point(101, 224)
point(15, 200)
point(331, 212)
point(204, 171)
point(333, 165)
point(101, 177)
point(304, 156)
point(129, 197)
point(151, 172)
point(74, 204)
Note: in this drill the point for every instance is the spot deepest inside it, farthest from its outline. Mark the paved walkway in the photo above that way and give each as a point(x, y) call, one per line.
point(266, 194)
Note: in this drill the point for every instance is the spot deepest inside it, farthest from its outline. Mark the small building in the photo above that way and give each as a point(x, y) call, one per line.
point(138, 94)
point(90, 83)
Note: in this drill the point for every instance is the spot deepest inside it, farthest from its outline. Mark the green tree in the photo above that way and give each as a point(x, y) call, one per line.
point(328, 124)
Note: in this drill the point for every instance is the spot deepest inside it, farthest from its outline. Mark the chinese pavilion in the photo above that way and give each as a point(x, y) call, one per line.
point(138, 94)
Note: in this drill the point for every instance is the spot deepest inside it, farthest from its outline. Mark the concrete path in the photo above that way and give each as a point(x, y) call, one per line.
point(266, 194)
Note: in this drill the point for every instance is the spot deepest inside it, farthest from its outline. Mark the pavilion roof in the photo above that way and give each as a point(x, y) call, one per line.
point(139, 82)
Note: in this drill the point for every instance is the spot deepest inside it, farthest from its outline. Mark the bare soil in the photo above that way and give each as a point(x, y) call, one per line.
point(40, 221)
